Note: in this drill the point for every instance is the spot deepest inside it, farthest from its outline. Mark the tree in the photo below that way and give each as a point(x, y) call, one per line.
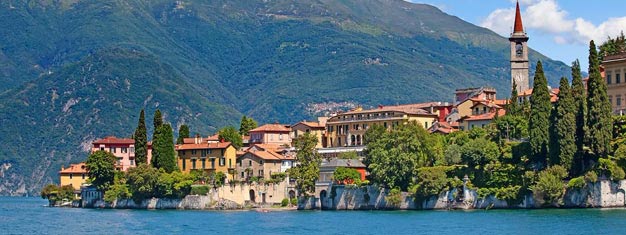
point(141, 140)
point(101, 169)
point(478, 152)
point(157, 121)
point(308, 169)
point(142, 181)
point(231, 135)
point(164, 155)
point(55, 193)
point(539, 122)
point(599, 121)
point(514, 108)
point(580, 103)
point(565, 128)
point(344, 175)
point(393, 157)
point(549, 186)
point(183, 132)
point(246, 125)
point(613, 46)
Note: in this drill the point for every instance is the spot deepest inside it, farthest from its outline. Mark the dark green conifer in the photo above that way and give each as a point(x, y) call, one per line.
point(164, 155)
point(599, 121)
point(514, 107)
point(565, 127)
point(157, 121)
point(580, 102)
point(141, 140)
point(539, 122)
point(183, 132)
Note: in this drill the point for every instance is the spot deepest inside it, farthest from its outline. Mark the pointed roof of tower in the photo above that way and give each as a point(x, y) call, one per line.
point(518, 28)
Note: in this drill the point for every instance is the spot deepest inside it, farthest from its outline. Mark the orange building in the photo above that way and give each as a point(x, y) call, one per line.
point(208, 157)
point(271, 134)
point(74, 175)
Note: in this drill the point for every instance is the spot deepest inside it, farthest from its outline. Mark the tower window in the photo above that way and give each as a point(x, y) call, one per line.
point(519, 49)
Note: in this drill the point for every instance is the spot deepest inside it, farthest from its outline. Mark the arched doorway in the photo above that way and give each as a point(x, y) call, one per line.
point(322, 198)
point(292, 194)
point(252, 195)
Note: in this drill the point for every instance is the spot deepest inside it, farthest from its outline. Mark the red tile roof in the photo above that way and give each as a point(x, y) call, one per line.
point(114, 140)
point(417, 109)
point(485, 116)
point(74, 168)
point(271, 128)
point(518, 28)
point(310, 124)
point(221, 145)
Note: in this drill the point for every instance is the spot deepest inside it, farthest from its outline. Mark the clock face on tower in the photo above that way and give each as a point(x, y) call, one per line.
point(519, 49)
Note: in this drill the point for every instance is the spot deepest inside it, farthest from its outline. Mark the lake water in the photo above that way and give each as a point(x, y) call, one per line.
point(30, 216)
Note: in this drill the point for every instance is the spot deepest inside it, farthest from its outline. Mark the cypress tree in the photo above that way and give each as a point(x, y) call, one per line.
point(183, 132)
point(539, 122)
point(580, 102)
point(514, 106)
point(164, 155)
point(157, 121)
point(565, 127)
point(141, 140)
point(599, 121)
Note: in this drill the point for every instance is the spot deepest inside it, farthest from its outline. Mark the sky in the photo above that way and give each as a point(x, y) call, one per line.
point(559, 29)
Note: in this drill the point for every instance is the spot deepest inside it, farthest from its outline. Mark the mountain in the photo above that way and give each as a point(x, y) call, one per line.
point(75, 70)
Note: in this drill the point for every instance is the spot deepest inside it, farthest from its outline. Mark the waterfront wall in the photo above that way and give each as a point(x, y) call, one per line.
point(228, 197)
point(604, 193)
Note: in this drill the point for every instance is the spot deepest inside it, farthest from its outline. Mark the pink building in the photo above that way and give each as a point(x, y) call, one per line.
point(123, 149)
point(278, 134)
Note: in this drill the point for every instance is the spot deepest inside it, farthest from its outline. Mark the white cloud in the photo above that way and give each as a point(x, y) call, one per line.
point(547, 17)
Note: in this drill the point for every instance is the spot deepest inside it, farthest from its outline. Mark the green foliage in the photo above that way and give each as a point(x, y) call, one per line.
point(452, 155)
point(199, 190)
point(348, 155)
point(173, 185)
point(394, 197)
point(374, 133)
point(163, 154)
point(394, 156)
point(610, 169)
point(539, 122)
point(576, 183)
point(513, 108)
point(183, 132)
point(247, 124)
point(431, 181)
point(101, 169)
point(343, 175)
point(511, 127)
point(613, 46)
point(142, 181)
point(277, 178)
point(308, 169)
point(219, 178)
point(549, 185)
point(53, 192)
point(141, 140)
point(119, 190)
point(599, 122)
point(479, 152)
point(294, 201)
point(284, 202)
point(591, 176)
point(230, 134)
point(563, 144)
point(157, 121)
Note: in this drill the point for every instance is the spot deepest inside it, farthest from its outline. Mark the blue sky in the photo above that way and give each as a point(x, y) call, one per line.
point(559, 29)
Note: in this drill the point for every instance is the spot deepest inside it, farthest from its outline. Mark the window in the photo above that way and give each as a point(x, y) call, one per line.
point(71, 175)
point(132, 162)
point(124, 150)
point(83, 175)
point(193, 152)
point(208, 151)
point(230, 163)
point(203, 163)
point(119, 161)
point(222, 161)
point(249, 162)
point(385, 124)
point(425, 124)
point(280, 136)
point(484, 109)
point(618, 98)
point(132, 149)
point(261, 162)
point(617, 78)
point(184, 165)
point(112, 149)
point(193, 163)
point(261, 173)
point(242, 174)
point(608, 78)
point(239, 162)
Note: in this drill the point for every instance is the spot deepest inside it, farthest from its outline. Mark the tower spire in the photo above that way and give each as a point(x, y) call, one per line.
point(518, 28)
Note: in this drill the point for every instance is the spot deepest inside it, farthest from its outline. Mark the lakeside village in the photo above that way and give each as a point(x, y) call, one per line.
point(542, 147)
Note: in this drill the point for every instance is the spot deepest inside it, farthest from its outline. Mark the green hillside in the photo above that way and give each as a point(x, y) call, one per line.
point(75, 70)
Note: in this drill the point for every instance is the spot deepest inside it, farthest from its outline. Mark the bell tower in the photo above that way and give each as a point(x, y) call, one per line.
point(519, 54)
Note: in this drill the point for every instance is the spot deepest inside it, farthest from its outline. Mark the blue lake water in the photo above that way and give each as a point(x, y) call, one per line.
point(30, 216)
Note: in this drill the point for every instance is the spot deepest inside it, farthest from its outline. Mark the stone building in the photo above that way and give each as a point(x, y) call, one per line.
point(519, 53)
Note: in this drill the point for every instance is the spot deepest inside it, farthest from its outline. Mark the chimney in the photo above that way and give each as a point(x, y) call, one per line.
point(195, 140)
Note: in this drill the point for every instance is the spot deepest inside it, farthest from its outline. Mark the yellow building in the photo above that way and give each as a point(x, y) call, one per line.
point(75, 175)
point(615, 75)
point(209, 157)
point(316, 128)
point(348, 129)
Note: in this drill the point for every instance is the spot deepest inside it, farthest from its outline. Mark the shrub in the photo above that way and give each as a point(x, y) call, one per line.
point(591, 176)
point(343, 175)
point(284, 202)
point(576, 183)
point(394, 198)
point(549, 185)
point(219, 179)
point(53, 192)
point(199, 190)
point(610, 169)
point(431, 181)
point(294, 201)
